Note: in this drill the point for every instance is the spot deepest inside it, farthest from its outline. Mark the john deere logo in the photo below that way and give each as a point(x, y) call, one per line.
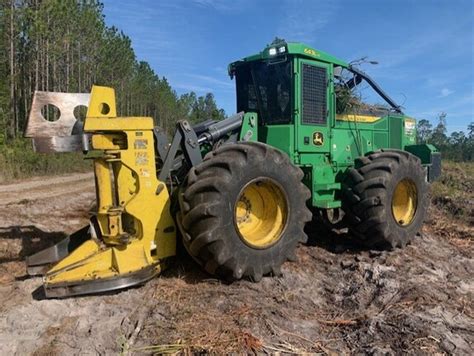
point(318, 138)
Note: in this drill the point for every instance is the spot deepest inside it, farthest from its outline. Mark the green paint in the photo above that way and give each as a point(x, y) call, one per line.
point(423, 151)
point(249, 130)
point(324, 149)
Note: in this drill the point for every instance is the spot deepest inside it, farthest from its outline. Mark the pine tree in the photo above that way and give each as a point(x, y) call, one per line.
point(65, 45)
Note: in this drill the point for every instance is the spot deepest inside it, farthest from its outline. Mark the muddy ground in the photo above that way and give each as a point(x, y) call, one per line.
point(338, 298)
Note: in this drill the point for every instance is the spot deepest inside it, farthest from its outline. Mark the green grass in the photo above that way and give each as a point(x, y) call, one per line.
point(18, 161)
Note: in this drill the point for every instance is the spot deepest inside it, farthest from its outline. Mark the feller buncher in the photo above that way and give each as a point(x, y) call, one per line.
point(238, 192)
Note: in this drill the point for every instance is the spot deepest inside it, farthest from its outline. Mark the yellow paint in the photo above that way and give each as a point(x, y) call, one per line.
point(261, 213)
point(107, 142)
point(111, 262)
point(404, 202)
point(311, 52)
point(102, 180)
point(86, 250)
point(93, 124)
point(318, 138)
point(135, 223)
point(102, 103)
point(358, 118)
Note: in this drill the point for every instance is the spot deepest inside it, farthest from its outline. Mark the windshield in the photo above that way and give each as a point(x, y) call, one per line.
point(265, 88)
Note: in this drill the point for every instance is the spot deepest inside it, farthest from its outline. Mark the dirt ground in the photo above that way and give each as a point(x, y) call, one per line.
point(338, 298)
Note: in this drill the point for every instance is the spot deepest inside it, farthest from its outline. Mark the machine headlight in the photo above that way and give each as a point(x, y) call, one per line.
point(282, 49)
point(272, 51)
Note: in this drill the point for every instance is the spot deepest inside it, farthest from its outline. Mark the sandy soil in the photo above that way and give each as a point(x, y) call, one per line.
point(338, 298)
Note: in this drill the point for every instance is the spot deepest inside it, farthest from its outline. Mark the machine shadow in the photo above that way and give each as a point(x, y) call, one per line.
point(184, 267)
point(332, 239)
point(32, 239)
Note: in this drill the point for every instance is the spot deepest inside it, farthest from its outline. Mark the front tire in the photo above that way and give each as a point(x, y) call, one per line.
point(385, 199)
point(243, 210)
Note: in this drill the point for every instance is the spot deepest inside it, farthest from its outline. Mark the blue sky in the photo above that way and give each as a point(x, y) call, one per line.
point(425, 48)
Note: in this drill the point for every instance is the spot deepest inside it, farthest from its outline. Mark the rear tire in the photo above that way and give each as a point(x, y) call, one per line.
point(243, 211)
point(385, 199)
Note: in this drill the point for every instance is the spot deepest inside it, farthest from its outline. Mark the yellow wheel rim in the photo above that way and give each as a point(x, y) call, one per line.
point(404, 202)
point(261, 213)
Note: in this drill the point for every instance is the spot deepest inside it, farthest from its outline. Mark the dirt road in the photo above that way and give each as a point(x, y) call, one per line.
point(338, 298)
point(45, 188)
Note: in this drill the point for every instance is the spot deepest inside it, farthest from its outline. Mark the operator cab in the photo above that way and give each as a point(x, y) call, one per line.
point(300, 94)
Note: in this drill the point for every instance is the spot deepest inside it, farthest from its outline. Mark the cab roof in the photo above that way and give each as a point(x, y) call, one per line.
point(281, 48)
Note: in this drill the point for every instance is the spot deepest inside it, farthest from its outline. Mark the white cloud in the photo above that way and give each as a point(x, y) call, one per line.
point(445, 92)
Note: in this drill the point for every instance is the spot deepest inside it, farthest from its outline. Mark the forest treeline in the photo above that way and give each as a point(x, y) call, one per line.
point(65, 46)
point(458, 146)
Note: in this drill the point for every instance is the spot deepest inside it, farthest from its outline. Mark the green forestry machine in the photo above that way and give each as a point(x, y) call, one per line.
point(238, 192)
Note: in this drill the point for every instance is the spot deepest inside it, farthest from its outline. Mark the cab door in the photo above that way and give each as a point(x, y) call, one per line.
point(313, 119)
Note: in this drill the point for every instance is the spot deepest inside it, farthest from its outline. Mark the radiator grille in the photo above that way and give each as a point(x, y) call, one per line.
point(314, 94)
